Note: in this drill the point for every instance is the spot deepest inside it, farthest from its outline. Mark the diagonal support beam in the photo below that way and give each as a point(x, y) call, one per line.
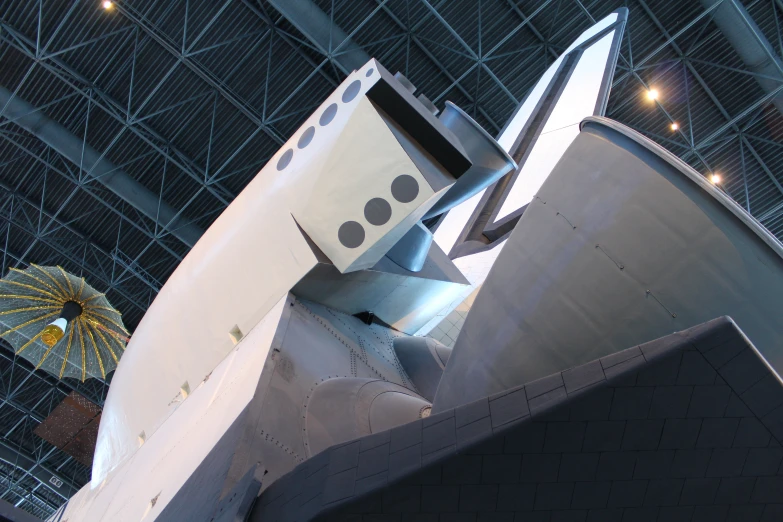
point(98, 166)
point(744, 35)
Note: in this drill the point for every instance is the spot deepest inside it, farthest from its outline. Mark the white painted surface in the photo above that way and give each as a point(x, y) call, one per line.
point(163, 464)
point(357, 164)
point(250, 257)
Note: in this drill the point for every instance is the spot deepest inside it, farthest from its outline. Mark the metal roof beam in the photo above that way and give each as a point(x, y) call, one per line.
point(323, 32)
point(97, 166)
point(751, 45)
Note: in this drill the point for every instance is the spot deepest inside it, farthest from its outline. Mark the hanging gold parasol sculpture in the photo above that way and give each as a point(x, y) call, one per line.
point(61, 324)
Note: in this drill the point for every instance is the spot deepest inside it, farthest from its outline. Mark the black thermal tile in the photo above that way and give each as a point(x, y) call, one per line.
point(605, 515)
point(438, 455)
point(516, 497)
point(661, 372)
point(374, 440)
point(501, 469)
point(737, 408)
point(571, 515)
point(402, 499)
point(478, 497)
point(371, 483)
point(405, 436)
point(680, 433)
point(604, 436)
point(773, 513)
point(344, 457)
point(751, 433)
point(774, 422)
point(675, 513)
point(404, 461)
point(339, 486)
point(699, 491)
point(633, 403)
point(554, 495)
point(717, 433)
point(526, 438)
point(710, 513)
point(727, 462)
point(619, 357)
point(624, 374)
point(592, 406)
point(768, 490)
point(495, 517)
point(694, 370)
point(627, 493)
point(735, 490)
point(591, 495)
point(691, 463)
point(749, 513)
point(743, 371)
point(764, 396)
point(472, 412)
point(642, 434)
point(455, 517)
point(709, 401)
point(546, 400)
point(540, 467)
point(486, 446)
point(438, 436)
point(670, 402)
point(720, 355)
point(440, 498)
point(471, 433)
point(653, 464)
point(533, 516)
point(578, 467)
point(508, 408)
point(437, 418)
point(564, 437)
point(462, 469)
point(616, 465)
point(373, 461)
point(640, 514)
point(583, 376)
point(663, 492)
point(762, 462)
point(544, 385)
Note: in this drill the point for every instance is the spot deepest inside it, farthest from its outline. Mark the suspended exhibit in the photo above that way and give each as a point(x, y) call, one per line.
point(59, 323)
point(598, 355)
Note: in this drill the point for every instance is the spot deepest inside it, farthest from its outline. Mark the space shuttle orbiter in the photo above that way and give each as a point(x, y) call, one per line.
point(297, 321)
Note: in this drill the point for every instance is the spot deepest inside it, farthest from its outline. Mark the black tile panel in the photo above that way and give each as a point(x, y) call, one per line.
point(684, 428)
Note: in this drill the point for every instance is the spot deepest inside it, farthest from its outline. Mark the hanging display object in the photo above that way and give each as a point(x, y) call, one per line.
point(59, 323)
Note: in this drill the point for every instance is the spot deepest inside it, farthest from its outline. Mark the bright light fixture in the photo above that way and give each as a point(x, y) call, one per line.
point(107, 4)
point(715, 178)
point(675, 126)
point(652, 94)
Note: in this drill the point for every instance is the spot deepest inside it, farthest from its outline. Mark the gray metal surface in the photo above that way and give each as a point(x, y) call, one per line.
point(490, 161)
point(395, 295)
point(411, 251)
point(423, 359)
point(622, 243)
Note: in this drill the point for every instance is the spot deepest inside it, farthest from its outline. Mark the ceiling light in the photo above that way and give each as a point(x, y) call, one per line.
point(675, 126)
point(107, 4)
point(715, 178)
point(652, 94)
